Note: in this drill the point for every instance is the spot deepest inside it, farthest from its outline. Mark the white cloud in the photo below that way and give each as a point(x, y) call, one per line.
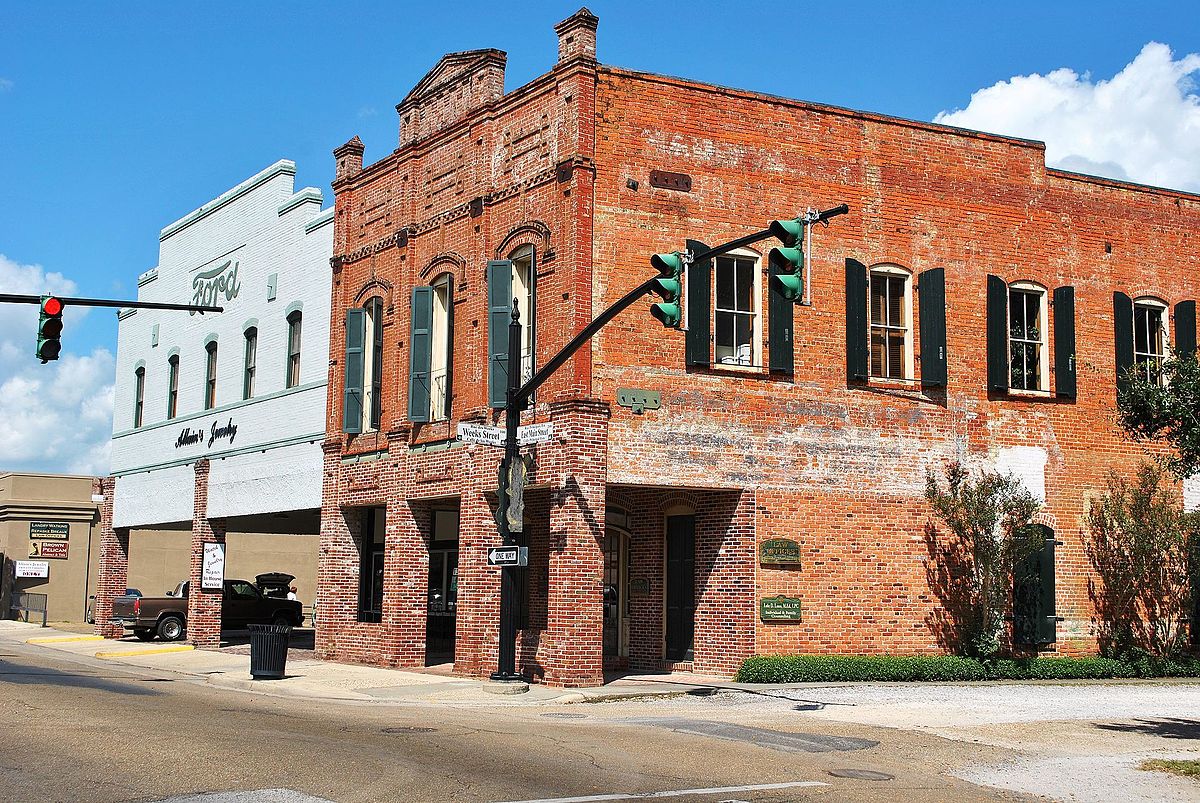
point(6, 84)
point(1143, 124)
point(58, 416)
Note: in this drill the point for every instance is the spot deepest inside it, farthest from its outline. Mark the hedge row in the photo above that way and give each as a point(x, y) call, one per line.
point(872, 668)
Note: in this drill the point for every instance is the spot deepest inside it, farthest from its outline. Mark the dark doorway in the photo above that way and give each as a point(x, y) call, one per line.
point(616, 598)
point(370, 574)
point(680, 587)
point(443, 588)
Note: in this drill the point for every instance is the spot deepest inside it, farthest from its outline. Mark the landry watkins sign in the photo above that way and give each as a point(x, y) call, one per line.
point(216, 432)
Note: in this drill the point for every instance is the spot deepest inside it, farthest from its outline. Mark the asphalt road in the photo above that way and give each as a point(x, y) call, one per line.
point(85, 730)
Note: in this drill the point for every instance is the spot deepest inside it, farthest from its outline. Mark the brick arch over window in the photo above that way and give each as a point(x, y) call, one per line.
point(450, 262)
point(1046, 520)
point(374, 287)
point(532, 232)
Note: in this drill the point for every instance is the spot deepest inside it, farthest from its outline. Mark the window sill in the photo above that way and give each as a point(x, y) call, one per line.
point(890, 382)
point(1017, 393)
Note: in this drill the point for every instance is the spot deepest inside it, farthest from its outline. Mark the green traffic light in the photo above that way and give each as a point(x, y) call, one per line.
point(668, 313)
point(789, 285)
point(667, 264)
point(790, 232)
point(669, 288)
point(787, 260)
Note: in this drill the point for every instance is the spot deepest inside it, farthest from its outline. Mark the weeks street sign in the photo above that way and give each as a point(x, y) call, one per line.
point(508, 556)
point(494, 436)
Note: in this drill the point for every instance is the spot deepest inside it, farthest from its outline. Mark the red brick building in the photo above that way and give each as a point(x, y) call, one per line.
point(815, 424)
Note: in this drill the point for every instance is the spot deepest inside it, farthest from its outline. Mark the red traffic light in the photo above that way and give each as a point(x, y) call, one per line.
point(52, 306)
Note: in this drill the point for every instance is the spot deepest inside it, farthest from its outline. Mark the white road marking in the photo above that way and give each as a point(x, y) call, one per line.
point(715, 790)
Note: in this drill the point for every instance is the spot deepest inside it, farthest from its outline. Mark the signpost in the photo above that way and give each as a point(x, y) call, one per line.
point(779, 609)
point(508, 556)
point(49, 529)
point(48, 549)
point(212, 577)
point(31, 568)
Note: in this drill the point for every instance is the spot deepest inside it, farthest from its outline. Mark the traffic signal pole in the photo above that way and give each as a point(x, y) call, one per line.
point(10, 298)
point(517, 399)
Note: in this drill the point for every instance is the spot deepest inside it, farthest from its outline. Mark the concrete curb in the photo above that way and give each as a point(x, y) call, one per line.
point(107, 654)
point(61, 639)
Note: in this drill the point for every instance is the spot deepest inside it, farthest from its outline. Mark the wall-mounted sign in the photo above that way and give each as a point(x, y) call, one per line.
point(212, 577)
point(49, 529)
point(218, 431)
point(639, 587)
point(779, 609)
point(31, 568)
point(779, 551)
point(48, 549)
point(221, 280)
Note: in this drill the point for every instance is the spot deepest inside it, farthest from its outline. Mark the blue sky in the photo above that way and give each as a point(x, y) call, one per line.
point(116, 119)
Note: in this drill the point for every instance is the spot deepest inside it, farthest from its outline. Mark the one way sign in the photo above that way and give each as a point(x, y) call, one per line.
point(508, 556)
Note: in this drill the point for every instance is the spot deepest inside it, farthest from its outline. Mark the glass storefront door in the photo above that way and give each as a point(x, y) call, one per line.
point(616, 594)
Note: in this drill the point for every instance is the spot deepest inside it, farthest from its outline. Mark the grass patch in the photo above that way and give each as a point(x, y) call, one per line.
point(1188, 769)
point(950, 668)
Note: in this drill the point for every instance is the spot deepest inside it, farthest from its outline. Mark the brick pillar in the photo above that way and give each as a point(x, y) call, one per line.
point(477, 620)
point(204, 607)
point(406, 579)
point(575, 605)
point(114, 561)
point(726, 604)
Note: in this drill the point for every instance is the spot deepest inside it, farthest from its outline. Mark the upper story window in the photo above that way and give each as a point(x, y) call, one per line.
point(1149, 339)
point(250, 363)
point(362, 401)
point(523, 282)
point(432, 347)
point(210, 376)
point(737, 322)
point(1028, 367)
point(293, 350)
point(172, 386)
point(890, 315)
point(139, 391)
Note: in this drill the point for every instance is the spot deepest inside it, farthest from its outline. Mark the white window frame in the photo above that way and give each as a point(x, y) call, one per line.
point(372, 307)
point(210, 375)
point(740, 361)
point(1151, 357)
point(524, 279)
point(1042, 342)
point(439, 342)
point(905, 329)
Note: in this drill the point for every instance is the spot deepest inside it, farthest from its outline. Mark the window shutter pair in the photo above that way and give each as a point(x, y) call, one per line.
point(1034, 617)
point(420, 355)
point(931, 288)
point(997, 338)
point(1185, 334)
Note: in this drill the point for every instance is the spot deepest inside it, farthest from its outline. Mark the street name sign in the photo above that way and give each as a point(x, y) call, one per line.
point(508, 556)
point(480, 433)
point(535, 433)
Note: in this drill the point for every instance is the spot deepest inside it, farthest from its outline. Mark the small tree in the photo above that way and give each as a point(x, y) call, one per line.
point(1139, 543)
point(991, 517)
point(1168, 411)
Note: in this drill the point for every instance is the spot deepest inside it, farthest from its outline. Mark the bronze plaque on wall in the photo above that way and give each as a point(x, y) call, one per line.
point(779, 552)
point(779, 609)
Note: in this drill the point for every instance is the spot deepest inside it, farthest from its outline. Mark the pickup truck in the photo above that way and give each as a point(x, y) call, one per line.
point(166, 617)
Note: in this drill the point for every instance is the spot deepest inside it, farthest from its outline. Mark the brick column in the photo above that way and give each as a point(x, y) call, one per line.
point(204, 607)
point(575, 605)
point(114, 561)
point(406, 577)
point(477, 620)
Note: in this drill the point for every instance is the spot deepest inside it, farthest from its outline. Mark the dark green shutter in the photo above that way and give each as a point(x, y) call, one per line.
point(1123, 337)
point(931, 285)
point(499, 282)
point(1034, 617)
point(1185, 328)
point(352, 399)
point(449, 347)
point(698, 341)
point(420, 353)
point(781, 312)
point(1064, 342)
point(997, 334)
point(857, 355)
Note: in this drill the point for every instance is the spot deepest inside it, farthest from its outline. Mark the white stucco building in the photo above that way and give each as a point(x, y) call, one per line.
point(244, 389)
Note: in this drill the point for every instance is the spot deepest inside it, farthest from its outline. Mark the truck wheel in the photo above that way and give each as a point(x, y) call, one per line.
point(144, 634)
point(280, 620)
point(170, 628)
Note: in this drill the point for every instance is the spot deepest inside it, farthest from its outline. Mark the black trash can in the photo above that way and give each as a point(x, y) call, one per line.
point(268, 650)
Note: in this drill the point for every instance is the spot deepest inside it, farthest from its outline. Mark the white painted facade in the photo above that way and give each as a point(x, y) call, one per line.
point(261, 251)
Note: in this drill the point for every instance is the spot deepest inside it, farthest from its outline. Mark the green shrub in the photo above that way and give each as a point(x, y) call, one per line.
point(951, 668)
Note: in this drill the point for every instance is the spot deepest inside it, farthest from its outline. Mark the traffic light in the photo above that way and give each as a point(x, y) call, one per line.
point(669, 285)
point(49, 329)
point(787, 278)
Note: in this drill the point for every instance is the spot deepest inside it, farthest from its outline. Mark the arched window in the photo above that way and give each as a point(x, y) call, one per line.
point(139, 392)
point(1028, 367)
point(509, 280)
point(250, 363)
point(890, 314)
point(210, 375)
point(1149, 339)
point(172, 386)
point(293, 353)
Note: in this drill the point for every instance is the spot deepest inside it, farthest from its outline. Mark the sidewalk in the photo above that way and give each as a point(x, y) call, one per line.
point(308, 677)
